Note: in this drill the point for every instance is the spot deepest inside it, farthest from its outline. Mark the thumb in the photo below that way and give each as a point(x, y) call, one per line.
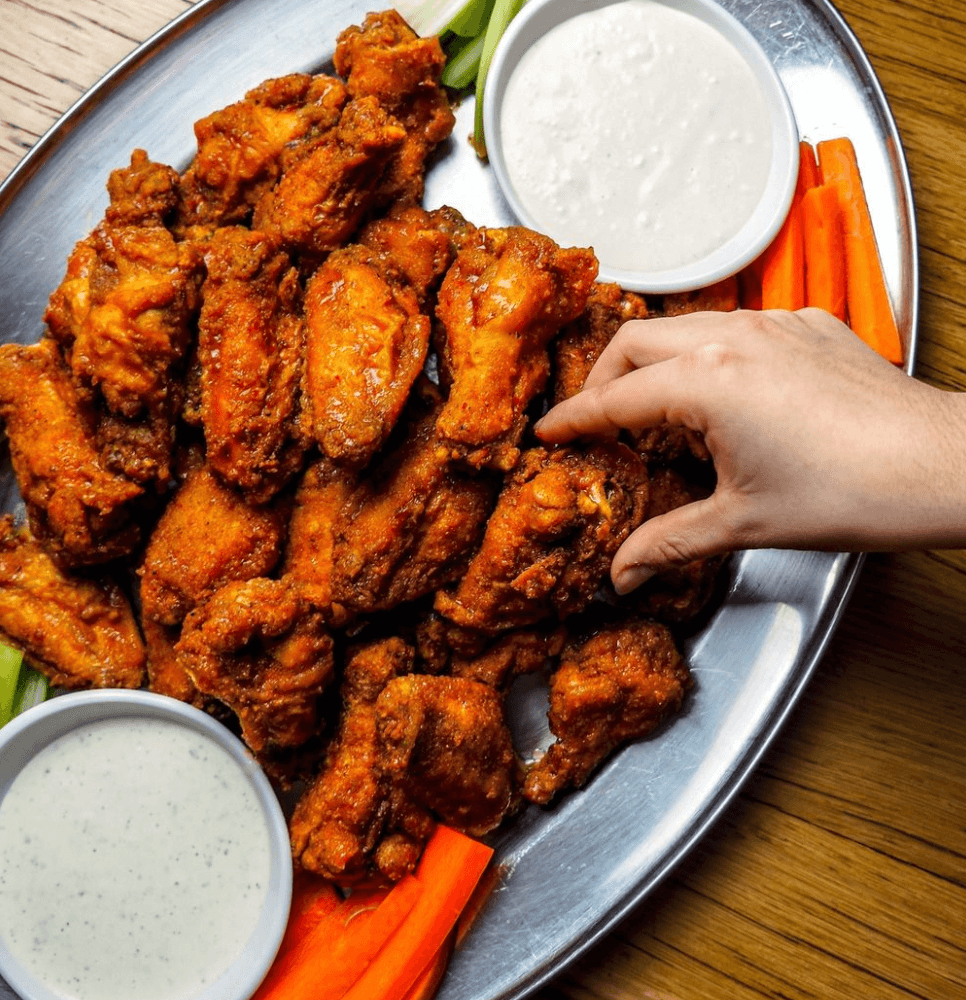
point(680, 536)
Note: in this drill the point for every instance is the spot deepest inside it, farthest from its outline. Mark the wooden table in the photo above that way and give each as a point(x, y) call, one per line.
point(840, 870)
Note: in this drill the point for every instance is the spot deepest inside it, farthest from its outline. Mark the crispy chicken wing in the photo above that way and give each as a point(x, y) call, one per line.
point(80, 632)
point(77, 508)
point(330, 183)
point(445, 743)
point(240, 147)
point(349, 826)
point(257, 647)
point(548, 545)
point(414, 522)
point(207, 536)
point(250, 355)
point(366, 341)
point(387, 60)
point(506, 295)
point(580, 344)
point(617, 686)
point(142, 194)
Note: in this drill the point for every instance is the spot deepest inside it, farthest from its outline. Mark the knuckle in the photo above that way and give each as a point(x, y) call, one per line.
point(673, 550)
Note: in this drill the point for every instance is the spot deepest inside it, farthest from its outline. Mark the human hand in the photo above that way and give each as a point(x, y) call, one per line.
point(818, 443)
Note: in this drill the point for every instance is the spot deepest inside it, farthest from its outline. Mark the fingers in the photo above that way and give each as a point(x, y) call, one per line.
point(641, 398)
point(694, 531)
point(642, 342)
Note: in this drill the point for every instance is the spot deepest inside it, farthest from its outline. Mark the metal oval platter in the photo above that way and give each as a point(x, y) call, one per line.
point(567, 874)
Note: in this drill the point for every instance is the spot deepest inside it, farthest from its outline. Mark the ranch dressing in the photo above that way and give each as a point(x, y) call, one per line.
point(639, 130)
point(134, 862)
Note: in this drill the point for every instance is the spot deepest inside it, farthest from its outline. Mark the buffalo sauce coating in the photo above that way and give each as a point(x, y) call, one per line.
point(637, 129)
point(134, 862)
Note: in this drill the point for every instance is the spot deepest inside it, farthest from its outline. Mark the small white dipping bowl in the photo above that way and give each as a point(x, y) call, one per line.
point(540, 16)
point(28, 734)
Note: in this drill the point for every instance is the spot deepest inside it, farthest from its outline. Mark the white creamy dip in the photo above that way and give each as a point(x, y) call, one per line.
point(134, 862)
point(639, 130)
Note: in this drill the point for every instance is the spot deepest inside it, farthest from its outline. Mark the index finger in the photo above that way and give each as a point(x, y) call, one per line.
point(642, 342)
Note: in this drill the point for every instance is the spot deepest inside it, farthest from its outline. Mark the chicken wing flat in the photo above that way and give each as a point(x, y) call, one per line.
point(322, 503)
point(257, 647)
point(207, 537)
point(348, 825)
point(77, 508)
point(240, 147)
point(387, 60)
point(78, 631)
point(722, 296)
point(506, 295)
point(250, 355)
point(446, 745)
point(617, 686)
point(330, 183)
point(559, 521)
point(413, 523)
point(581, 343)
point(366, 341)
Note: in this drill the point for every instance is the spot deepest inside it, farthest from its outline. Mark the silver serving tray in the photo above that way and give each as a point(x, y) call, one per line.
point(570, 873)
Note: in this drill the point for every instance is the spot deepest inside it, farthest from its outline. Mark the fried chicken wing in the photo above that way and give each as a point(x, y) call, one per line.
point(445, 743)
point(123, 313)
point(581, 343)
point(548, 545)
point(366, 341)
point(257, 647)
point(414, 522)
point(78, 631)
point(240, 147)
point(504, 298)
point(142, 194)
point(387, 60)
point(330, 183)
point(207, 537)
point(349, 826)
point(250, 345)
point(77, 508)
point(618, 685)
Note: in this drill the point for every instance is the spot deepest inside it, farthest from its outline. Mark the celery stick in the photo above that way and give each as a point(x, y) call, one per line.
point(464, 64)
point(10, 661)
point(503, 13)
point(32, 689)
point(471, 20)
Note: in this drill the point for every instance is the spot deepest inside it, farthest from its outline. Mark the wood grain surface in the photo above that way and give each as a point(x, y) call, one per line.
point(840, 870)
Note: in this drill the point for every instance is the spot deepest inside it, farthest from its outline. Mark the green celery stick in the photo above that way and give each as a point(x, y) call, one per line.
point(471, 20)
point(503, 13)
point(10, 661)
point(463, 65)
point(32, 689)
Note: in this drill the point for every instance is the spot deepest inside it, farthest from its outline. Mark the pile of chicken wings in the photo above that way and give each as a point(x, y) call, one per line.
point(275, 453)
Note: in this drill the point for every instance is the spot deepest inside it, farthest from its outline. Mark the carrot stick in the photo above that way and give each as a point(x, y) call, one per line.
point(869, 308)
point(824, 250)
point(783, 265)
point(427, 983)
point(313, 898)
point(749, 285)
point(809, 175)
point(449, 869)
point(336, 952)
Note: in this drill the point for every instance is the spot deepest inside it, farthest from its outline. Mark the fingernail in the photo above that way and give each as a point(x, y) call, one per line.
point(631, 578)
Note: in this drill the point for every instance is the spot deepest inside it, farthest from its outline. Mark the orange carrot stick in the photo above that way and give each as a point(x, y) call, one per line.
point(449, 869)
point(809, 175)
point(783, 270)
point(427, 983)
point(313, 898)
point(869, 308)
point(824, 250)
point(336, 952)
